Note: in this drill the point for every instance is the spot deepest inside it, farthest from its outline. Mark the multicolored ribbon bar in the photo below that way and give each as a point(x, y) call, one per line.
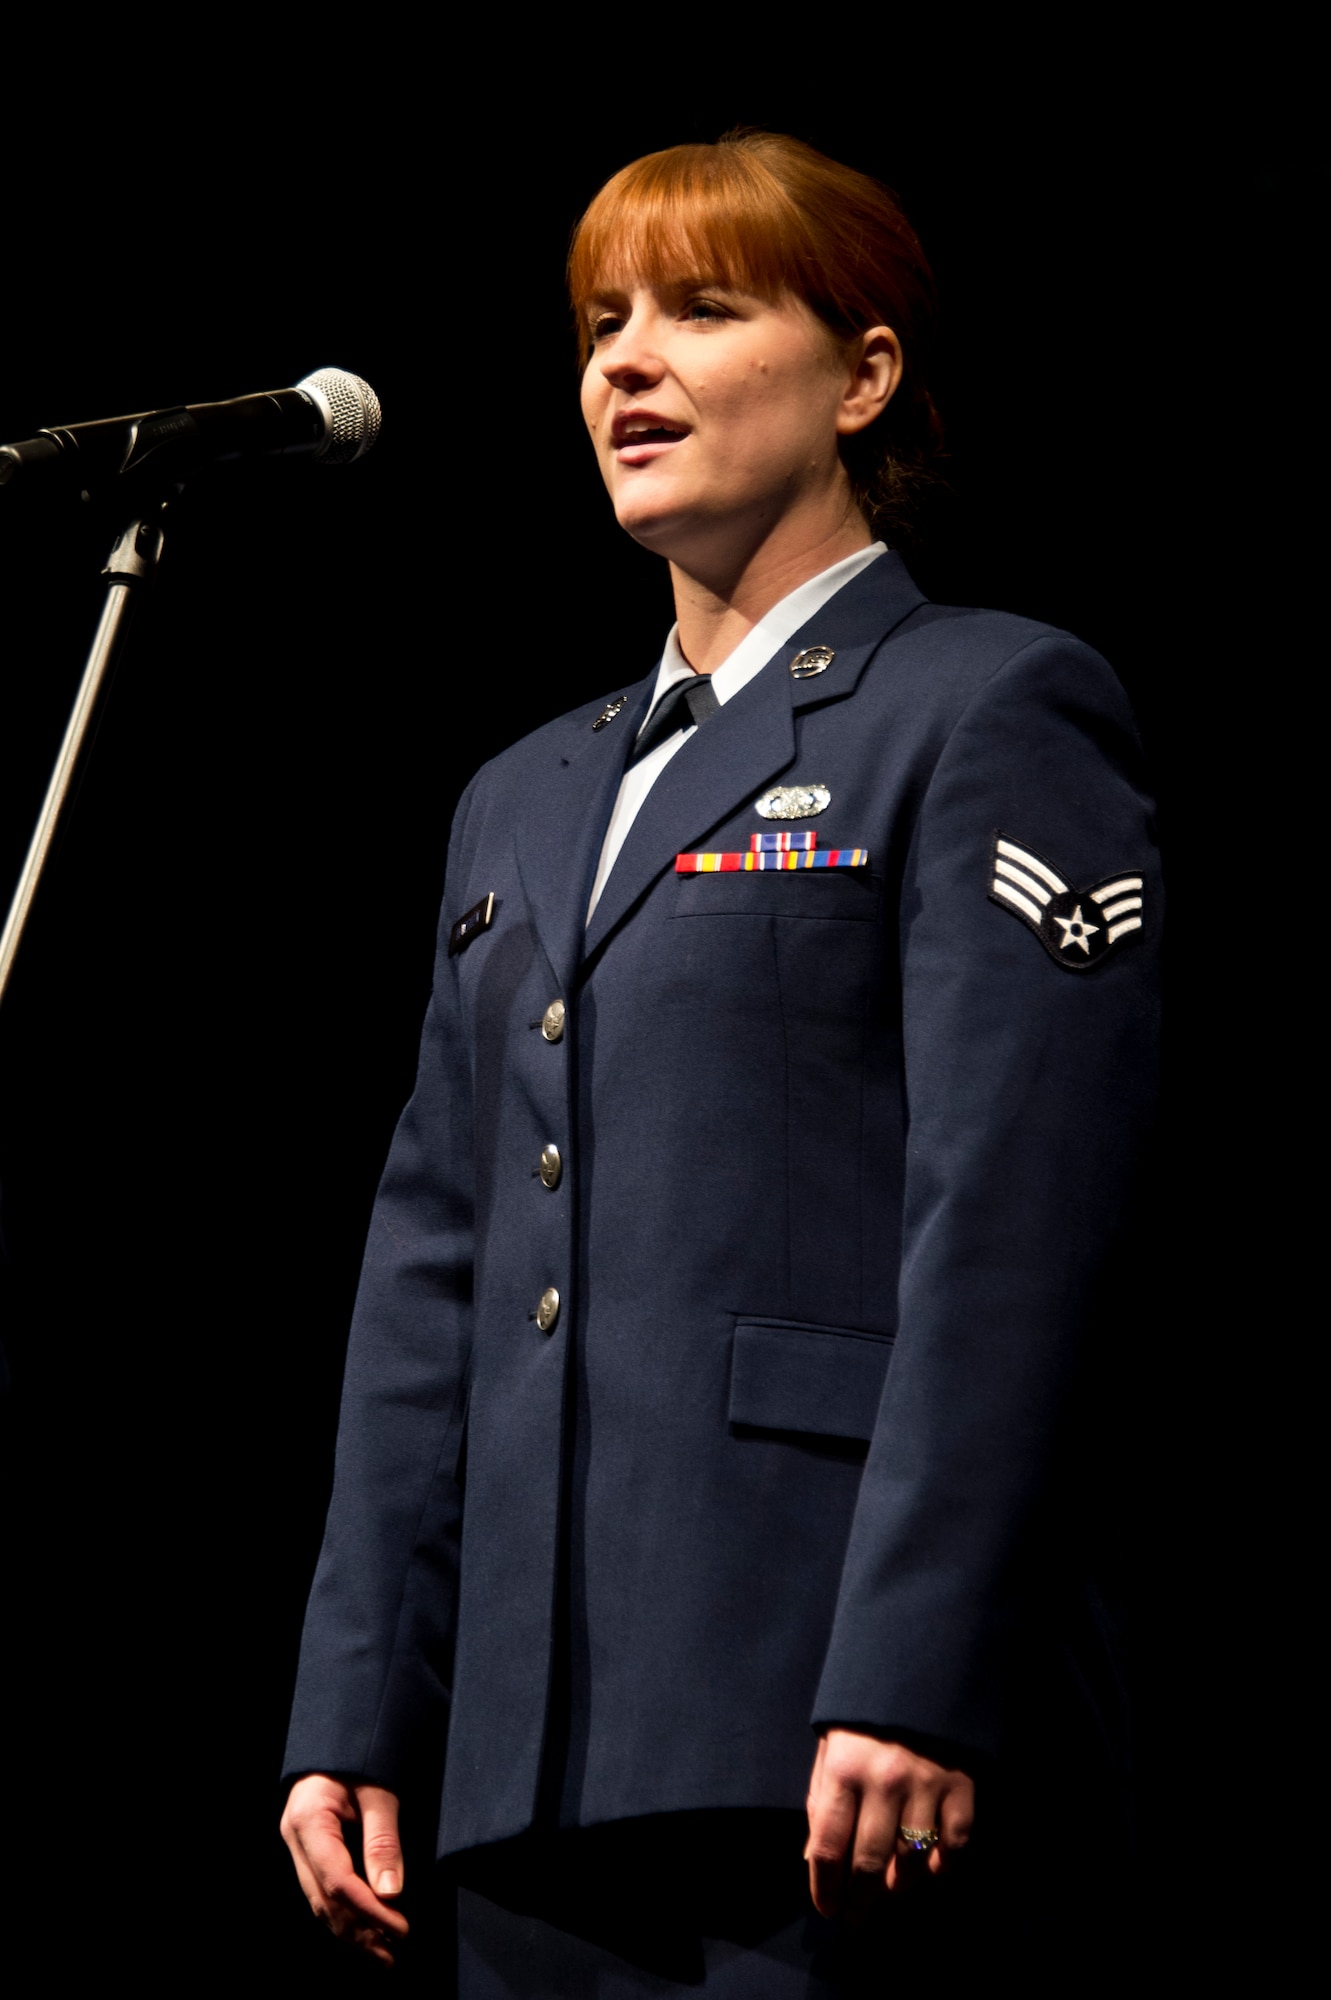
point(727, 864)
point(779, 843)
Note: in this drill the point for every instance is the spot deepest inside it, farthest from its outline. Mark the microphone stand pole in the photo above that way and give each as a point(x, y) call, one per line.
point(129, 569)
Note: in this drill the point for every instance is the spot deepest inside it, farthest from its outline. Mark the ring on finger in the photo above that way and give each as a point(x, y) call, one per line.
point(918, 1839)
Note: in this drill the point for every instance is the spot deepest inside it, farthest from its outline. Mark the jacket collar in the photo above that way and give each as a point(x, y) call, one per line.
point(742, 749)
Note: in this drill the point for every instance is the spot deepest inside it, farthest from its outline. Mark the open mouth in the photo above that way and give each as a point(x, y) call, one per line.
point(637, 438)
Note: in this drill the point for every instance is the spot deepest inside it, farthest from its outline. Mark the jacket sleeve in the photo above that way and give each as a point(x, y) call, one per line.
point(1030, 1097)
point(373, 1683)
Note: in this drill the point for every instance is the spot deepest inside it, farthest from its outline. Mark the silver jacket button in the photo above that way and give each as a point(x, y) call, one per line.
point(551, 1167)
point(547, 1312)
point(552, 1021)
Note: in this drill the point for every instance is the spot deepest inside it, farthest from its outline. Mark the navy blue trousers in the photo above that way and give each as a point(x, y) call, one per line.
point(714, 1903)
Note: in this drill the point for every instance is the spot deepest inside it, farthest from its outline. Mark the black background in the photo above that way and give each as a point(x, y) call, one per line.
point(213, 1020)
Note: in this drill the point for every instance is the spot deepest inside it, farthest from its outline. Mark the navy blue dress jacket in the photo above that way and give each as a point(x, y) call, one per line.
point(848, 1172)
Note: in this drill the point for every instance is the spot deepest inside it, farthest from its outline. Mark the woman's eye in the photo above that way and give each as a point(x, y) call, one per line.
point(605, 324)
point(705, 309)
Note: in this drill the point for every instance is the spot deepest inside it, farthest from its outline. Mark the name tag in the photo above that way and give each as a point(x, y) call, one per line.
point(473, 921)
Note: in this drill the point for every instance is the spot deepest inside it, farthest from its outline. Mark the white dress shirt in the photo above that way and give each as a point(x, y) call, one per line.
point(751, 655)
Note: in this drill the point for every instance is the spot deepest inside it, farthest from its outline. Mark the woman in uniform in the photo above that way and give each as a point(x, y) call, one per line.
point(719, 1527)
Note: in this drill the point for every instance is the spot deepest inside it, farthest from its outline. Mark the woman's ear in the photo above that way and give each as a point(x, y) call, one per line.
point(875, 373)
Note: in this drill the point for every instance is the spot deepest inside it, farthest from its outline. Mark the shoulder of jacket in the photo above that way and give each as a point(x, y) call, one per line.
point(560, 733)
point(990, 638)
point(952, 653)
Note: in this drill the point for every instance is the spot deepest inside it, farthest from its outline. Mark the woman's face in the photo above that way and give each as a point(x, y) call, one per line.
point(714, 414)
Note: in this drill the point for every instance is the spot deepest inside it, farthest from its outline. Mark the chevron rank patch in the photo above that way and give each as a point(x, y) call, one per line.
point(1077, 927)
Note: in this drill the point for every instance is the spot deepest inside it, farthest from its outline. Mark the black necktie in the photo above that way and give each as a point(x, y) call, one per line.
point(696, 694)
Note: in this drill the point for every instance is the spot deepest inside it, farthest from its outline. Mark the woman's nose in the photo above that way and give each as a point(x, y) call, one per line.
point(633, 360)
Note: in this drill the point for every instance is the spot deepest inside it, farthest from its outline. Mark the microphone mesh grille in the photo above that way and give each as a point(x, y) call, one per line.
point(352, 414)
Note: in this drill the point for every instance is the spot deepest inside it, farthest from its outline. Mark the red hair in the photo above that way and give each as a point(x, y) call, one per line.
point(769, 215)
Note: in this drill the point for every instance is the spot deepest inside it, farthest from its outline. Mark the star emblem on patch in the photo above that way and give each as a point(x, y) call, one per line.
point(1077, 927)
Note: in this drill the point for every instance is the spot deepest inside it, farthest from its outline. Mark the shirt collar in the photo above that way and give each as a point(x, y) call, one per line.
point(757, 646)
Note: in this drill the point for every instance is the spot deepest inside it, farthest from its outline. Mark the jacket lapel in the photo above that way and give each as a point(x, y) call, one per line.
point(558, 840)
point(752, 740)
point(854, 623)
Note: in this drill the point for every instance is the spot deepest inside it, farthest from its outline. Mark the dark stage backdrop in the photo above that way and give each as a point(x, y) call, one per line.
point(213, 1021)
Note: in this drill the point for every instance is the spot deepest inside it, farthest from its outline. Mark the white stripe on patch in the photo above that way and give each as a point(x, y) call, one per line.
point(1113, 910)
point(1117, 888)
point(1017, 900)
point(1023, 880)
point(1036, 866)
point(1128, 924)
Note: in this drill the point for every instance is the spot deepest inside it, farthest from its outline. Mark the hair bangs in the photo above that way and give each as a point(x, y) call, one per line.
point(711, 213)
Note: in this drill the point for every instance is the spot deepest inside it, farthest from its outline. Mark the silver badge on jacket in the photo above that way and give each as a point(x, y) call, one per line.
point(793, 801)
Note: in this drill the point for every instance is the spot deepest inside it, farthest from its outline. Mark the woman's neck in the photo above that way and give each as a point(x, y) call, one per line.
point(716, 610)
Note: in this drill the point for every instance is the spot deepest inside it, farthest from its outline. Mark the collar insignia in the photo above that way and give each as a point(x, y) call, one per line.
point(813, 660)
point(610, 711)
point(1077, 927)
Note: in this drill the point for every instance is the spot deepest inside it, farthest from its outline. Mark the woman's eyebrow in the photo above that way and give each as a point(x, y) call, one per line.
point(671, 287)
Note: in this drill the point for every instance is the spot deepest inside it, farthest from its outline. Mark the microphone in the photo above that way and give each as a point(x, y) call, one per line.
point(331, 416)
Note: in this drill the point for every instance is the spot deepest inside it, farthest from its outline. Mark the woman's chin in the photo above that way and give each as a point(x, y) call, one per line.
point(646, 516)
point(661, 524)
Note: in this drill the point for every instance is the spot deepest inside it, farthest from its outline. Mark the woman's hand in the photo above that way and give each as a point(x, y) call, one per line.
point(862, 1792)
point(317, 1810)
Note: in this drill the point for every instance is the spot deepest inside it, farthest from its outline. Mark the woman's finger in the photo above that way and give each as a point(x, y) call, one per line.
point(318, 1811)
point(336, 1892)
point(380, 1847)
point(305, 1875)
point(918, 1835)
point(341, 1888)
point(815, 1784)
point(875, 1847)
point(373, 1940)
point(833, 1809)
point(956, 1819)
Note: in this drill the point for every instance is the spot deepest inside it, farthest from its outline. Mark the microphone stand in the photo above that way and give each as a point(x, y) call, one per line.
point(129, 569)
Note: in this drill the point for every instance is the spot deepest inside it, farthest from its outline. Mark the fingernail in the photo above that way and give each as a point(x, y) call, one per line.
point(388, 1884)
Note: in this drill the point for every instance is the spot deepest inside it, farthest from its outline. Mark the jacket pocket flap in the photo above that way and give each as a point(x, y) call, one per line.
point(788, 1376)
point(826, 892)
